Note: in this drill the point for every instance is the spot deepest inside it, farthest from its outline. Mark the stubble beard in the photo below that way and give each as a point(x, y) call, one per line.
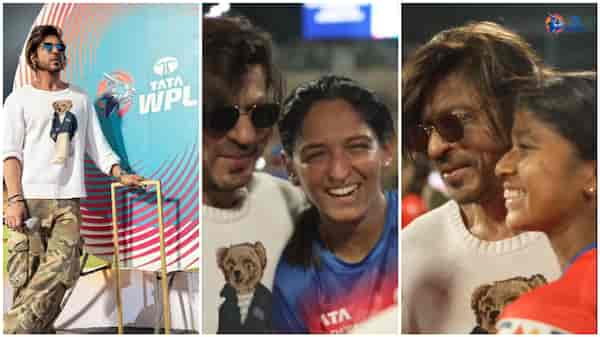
point(219, 188)
point(50, 69)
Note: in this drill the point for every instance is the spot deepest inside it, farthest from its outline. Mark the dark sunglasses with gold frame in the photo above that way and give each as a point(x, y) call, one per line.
point(223, 119)
point(451, 127)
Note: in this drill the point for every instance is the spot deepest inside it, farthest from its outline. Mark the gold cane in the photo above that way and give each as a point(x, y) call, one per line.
point(163, 258)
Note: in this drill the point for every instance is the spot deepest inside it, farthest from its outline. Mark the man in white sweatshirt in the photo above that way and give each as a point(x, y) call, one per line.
point(48, 127)
point(247, 216)
point(457, 107)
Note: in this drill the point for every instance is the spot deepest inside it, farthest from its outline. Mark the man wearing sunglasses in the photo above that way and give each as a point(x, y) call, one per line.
point(247, 216)
point(458, 92)
point(43, 213)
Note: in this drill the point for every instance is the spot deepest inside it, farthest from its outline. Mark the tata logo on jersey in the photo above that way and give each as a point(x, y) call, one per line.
point(167, 91)
point(337, 320)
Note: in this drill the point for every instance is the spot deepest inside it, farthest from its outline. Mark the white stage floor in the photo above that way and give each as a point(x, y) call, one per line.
point(93, 303)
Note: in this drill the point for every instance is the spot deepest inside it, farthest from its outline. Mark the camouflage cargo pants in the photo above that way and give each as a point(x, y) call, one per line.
point(42, 265)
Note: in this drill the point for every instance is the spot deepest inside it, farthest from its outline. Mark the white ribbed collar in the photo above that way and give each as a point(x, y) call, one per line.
point(228, 215)
point(49, 92)
point(472, 242)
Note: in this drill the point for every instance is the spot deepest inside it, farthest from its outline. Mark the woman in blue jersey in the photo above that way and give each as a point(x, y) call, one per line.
point(340, 266)
point(550, 186)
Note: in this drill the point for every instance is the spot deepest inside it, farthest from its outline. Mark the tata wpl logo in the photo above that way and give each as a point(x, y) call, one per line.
point(167, 91)
point(115, 93)
point(165, 66)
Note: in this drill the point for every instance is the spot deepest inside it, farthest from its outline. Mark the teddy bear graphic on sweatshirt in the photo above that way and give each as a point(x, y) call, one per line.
point(64, 125)
point(488, 300)
point(247, 305)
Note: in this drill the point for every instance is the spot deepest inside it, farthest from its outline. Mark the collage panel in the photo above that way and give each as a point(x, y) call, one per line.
point(101, 164)
point(303, 131)
point(499, 174)
point(300, 201)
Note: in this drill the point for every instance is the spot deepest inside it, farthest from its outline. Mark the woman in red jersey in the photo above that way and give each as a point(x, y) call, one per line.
point(550, 186)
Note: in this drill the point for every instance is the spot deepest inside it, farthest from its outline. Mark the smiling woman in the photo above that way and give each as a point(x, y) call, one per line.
point(340, 267)
point(554, 143)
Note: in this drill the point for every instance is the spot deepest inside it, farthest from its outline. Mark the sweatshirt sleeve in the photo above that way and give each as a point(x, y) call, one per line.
point(97, 146)
point(13, 120)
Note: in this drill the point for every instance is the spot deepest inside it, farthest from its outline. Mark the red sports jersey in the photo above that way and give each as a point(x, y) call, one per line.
point(567, 305)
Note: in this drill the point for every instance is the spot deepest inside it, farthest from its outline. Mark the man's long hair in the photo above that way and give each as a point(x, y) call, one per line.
point(38, 34)
point(230, 46)
point(488, 55)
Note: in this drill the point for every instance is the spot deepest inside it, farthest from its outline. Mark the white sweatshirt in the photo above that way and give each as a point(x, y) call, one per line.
point(266, 215)
point(443, 264)
point(27, 120)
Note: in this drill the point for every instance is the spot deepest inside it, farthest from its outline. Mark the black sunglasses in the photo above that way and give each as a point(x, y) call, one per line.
point(49, 46)
point(223, 119)
point(449, 126)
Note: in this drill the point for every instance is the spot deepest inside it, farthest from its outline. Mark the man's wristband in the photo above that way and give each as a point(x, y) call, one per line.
point(13, 196)
point(12, 202)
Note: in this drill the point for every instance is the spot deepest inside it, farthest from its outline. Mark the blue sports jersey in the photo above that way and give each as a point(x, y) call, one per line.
point(339, 295)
